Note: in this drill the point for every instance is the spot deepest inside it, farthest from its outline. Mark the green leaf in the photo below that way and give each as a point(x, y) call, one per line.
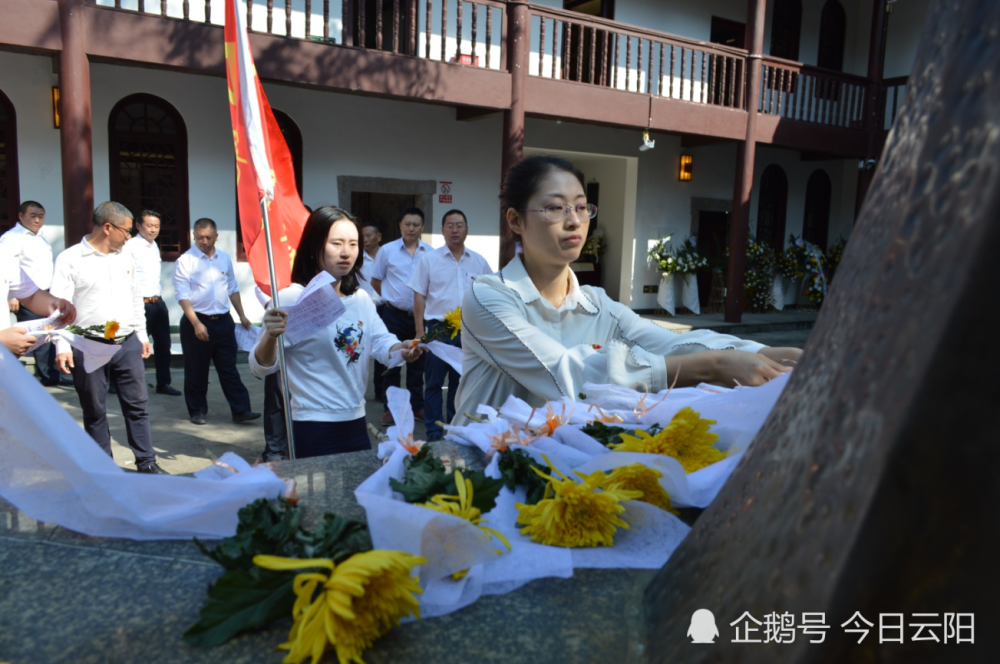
point(338, 538)
point(265, 527)
point(604, 434)
point(426, 477)
point(516, 470)
point(247, 596)
point(484, 490)
point(240, 600)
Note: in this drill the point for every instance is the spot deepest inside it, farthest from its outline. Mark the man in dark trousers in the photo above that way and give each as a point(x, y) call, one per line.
point(146, 255)
point(206, 287)
point(99, 279)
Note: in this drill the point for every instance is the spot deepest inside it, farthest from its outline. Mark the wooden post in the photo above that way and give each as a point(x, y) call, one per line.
point(745, 154)
point(75, 140)
point(518, 29)
point(873, 96)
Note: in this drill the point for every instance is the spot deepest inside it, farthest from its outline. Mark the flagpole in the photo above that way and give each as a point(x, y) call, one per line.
point(281, 344)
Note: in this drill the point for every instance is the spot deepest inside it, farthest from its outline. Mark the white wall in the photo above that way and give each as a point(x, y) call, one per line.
point(27, 81)
point(342, 135)
point(843, 178)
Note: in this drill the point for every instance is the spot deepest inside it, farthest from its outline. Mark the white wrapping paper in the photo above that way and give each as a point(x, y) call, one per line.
point(53, 471)
point(665, 296)
point(689, 293)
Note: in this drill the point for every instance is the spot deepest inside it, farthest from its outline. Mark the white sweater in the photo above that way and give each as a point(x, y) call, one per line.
point(328, 373)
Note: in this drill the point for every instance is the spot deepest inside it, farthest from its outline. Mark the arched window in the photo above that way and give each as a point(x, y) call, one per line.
point(9, 194)
point(832, 32)
point(771, 205)
point(786, 28)
point(293, 139)
point(816, 225)
point(147, 144)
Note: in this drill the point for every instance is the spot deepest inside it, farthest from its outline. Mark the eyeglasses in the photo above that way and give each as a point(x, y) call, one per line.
point(557, 213)
point(127, 232)
point(454, 227)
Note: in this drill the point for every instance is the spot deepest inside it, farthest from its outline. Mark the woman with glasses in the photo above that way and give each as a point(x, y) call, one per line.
point(532, 331)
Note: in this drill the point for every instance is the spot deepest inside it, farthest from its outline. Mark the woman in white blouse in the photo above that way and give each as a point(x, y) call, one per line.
point(328, 373)
point(532, 331)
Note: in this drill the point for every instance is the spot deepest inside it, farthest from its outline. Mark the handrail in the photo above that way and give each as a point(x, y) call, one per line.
point(626, 28)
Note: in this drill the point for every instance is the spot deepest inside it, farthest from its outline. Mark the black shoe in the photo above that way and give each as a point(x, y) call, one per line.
point(151, 469)
point(245, 417)
point(167, 389)
point(66, 382)
point(51, 383)
point(112, 389)
point(198, 419)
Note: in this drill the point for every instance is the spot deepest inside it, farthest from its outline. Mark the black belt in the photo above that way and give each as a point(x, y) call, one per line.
point(398, 310)
point(211, 316)
point(117, 341)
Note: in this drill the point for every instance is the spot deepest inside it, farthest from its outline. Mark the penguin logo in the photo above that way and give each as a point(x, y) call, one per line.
point(703, 629)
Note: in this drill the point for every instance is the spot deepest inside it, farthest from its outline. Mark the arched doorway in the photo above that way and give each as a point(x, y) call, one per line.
point(147, 146)
point(816, 224)
point(9, 193)
point(772, 204)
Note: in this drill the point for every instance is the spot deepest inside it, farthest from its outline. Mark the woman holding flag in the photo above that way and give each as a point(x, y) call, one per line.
point(328, 373)
point(533, 332)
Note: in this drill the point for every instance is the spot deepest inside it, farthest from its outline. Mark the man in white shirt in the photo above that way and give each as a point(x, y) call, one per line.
point(206, 286)
point(146, 255)
point(34, 254)
point(371, 237)
point(99, 278)
point(15, 283)
point(393, 267)
point(438, 282)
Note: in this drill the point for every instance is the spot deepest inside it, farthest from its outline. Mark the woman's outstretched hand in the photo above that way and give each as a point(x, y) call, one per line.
point(743, 368)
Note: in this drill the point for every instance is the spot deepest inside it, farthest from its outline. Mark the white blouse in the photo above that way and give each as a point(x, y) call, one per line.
point(328, 372)
point(516, 343)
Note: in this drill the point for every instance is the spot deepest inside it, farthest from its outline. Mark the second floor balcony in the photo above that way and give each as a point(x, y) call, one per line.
point(457, 52)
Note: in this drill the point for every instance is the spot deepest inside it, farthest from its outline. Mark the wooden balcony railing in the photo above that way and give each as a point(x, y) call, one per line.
point(600, 52)
point(563, 45)
point(893, 90)
point(799, 92)
point(468, 32)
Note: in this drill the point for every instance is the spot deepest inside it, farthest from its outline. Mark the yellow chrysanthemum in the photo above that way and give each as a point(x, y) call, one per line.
point(454, 320)
point(462, 507)
point(575, 514)
point(350, 607)
point(637, 477)
point(687, 438)
point(111, 329)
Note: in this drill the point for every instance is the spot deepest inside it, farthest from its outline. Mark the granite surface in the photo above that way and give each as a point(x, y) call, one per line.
point(66, 597)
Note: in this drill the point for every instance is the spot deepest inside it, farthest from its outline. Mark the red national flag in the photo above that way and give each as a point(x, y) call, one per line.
point(263, 164)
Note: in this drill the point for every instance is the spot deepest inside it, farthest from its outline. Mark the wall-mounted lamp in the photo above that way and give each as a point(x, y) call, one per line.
point(647, 142)
point(687, 163)
point(55, 107)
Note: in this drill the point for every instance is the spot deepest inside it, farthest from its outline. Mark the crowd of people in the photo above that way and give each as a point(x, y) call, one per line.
point(529, 330)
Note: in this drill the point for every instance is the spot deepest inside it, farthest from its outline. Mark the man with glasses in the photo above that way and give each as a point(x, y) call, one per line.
point(34, 254)
point(100, 280)
point(393, 267)
point(146, 255)
point(206, 289)
point(438, 283)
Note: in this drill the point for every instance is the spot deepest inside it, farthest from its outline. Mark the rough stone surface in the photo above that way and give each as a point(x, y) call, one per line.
point(872, 486)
